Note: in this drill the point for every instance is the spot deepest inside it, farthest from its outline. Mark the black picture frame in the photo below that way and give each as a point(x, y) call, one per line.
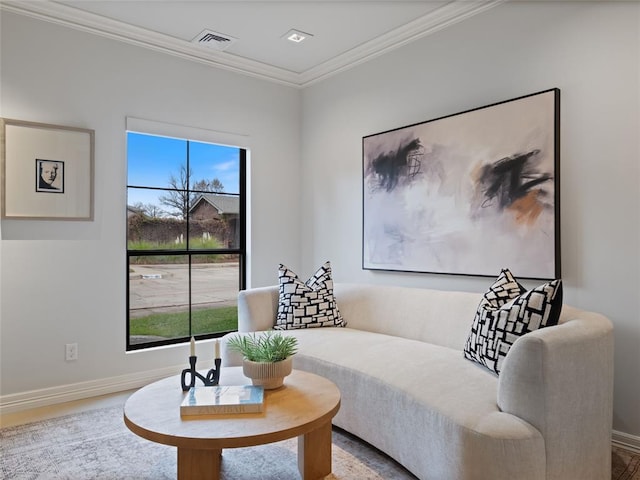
point(468, 193)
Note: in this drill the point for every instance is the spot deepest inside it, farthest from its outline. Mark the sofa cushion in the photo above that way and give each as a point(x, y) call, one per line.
point(506, 312)
point(307, 304)
point(465, 394)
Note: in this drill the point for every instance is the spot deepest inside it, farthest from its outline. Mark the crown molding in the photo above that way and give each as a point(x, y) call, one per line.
point(449, 14)
point(445, 16)
point(96, 24)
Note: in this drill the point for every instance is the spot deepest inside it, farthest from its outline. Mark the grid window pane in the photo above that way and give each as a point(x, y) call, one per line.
point(153, 163)
point(158, 298)
point(148, 228)
point(214, 220)
point(214, 293)
point(185, 240)
point(217, 165)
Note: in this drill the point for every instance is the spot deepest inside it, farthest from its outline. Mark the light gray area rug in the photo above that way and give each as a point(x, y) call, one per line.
point(97, 445)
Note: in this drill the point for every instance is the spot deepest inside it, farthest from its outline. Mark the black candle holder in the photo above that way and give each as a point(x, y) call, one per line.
point(210, 379)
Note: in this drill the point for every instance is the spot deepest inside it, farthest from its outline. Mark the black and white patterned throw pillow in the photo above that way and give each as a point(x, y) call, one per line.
point(506, 312)
point(307, 304)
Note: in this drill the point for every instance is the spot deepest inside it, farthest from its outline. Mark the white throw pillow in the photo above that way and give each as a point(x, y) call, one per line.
point(307, 304)
point(506, 312)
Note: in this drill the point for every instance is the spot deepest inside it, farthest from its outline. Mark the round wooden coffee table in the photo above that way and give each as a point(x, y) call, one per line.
point(303, 408)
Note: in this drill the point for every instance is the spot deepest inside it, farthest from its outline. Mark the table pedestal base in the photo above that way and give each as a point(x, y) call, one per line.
point(314, 458)
point(314, 453)
point(198, 464)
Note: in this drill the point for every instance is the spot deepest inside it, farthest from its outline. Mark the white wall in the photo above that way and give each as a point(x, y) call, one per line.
point(64, 282)
point(591, 51)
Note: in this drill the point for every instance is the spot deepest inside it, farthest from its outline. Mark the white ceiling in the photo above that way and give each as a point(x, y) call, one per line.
point(345, 33)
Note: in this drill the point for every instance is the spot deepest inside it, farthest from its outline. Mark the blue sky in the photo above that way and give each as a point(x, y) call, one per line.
point(152, 160)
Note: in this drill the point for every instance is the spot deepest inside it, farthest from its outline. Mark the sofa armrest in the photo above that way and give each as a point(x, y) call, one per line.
point(560, 380)
point(257, 309)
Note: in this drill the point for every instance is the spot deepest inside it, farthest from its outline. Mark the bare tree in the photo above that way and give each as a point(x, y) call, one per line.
point(214, 185)
point(149, 209)
point(179, 198)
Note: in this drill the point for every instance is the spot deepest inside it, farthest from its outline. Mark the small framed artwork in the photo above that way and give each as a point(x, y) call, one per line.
point(49, 176)
point(47, 171)
point(468, 194)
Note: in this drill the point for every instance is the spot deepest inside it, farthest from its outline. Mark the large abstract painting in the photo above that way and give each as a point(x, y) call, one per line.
point(469, 193)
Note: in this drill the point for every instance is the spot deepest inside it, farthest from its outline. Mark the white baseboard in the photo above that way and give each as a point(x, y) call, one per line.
point(76, 391)
point(626, 441)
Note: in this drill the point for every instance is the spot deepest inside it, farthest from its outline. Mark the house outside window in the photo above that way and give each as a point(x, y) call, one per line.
point(185, 239)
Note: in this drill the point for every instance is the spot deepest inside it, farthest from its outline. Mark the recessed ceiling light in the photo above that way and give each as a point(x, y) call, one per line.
point(296, 36)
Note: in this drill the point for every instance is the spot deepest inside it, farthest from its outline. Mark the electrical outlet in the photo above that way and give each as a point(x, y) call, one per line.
point(71, 352)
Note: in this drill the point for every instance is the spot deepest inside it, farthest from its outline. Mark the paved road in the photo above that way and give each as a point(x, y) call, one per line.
point(164, 288)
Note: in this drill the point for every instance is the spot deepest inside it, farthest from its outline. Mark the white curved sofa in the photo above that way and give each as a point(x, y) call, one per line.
point(407, 390)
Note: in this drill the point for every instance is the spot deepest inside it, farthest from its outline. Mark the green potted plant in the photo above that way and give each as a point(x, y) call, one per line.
point(267, 357)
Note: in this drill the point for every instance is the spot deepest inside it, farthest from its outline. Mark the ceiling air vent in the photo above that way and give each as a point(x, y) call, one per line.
point(214, 40)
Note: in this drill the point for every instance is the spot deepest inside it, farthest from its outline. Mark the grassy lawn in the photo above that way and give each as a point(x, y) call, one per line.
point(194, 245)
point(172, 325)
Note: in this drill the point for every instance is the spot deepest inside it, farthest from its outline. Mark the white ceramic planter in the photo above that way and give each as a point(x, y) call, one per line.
point(268, 374)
